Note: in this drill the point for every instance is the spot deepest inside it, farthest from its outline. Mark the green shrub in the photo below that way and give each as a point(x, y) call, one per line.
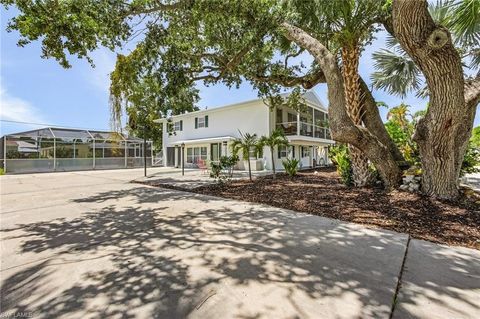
point(228, 162)
point(223, 170)
point(340, 157)
point(2, 172)
point(471, 160)
point(291, 166)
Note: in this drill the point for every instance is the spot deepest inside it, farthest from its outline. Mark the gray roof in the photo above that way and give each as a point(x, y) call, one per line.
point(59, 132)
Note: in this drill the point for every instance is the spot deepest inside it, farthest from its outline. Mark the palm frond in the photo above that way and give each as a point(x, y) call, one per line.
point(396, 73)
point(464, 21)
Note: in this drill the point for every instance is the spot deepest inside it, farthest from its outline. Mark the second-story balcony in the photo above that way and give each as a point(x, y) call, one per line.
point(304, 129)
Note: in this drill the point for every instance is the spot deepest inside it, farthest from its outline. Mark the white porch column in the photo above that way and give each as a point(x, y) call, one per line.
point(164, 145)
point(176, 156)
point(225, 149)
point(298, 123)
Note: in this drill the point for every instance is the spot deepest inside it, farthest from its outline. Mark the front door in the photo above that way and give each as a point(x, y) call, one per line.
point(215, 152)
point(171, 156)
point(305, 156)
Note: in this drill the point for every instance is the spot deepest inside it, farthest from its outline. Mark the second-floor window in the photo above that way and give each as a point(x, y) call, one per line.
point(291, 117)
point(178, 126)
point(201, 121)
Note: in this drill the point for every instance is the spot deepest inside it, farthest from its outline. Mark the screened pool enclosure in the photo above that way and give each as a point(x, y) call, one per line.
point(59, 149)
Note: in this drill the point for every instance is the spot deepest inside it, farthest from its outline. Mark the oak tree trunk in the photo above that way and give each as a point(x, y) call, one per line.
point(444, 131)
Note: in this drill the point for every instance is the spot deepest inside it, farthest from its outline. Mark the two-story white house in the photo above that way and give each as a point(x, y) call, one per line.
point(206, 135)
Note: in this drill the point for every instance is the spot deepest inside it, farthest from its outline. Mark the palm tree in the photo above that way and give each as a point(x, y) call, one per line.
point(275, 139)
point(347, 26)
point(247, 143)
point(398, 74)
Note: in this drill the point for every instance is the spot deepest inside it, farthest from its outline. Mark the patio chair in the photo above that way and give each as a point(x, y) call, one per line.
point(202, 165)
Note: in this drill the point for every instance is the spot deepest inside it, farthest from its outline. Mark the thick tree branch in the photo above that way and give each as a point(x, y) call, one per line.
point(342, 127)
point(373, 122)
point(472, 92)
point(159, 6)
point(307, 81)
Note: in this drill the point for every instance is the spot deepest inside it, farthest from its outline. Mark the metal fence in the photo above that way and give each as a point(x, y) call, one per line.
point(54, 149)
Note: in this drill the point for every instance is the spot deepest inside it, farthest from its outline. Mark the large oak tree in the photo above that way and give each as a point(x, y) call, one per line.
point(180, 42)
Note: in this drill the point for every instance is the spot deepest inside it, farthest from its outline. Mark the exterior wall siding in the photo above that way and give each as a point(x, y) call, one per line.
point(251, 117)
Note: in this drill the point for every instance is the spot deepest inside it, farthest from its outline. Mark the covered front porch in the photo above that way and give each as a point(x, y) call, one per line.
point(309, 151)
point(195, 153)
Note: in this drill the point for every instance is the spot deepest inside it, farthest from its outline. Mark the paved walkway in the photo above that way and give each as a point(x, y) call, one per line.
point(93, 245)
point(473, 180)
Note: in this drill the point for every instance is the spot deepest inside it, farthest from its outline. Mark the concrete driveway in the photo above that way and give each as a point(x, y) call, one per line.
point(93, 245)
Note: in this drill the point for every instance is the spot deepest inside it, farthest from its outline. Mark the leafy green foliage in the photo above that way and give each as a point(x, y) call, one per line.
point(397, 73)
point(291, 166)
point(2, 172)
point(340, 22)
point(400, 126)
point(223, 170)
point(340, 157)
point(471, 161)
point(475, 139)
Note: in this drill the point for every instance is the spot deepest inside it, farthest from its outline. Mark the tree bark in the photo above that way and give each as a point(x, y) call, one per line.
point(273, 163)
point(444, 131)
point(249, 168)
point(343, 129)
point(350, 59)
point(373, 122)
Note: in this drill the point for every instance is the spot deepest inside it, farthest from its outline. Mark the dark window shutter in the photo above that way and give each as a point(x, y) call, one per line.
point(181, 125)
point(279, 152)
point(206, 120)
point(196, 122)
point(293, 151)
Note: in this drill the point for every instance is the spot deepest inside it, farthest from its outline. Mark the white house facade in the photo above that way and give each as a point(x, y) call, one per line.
point(206, 135)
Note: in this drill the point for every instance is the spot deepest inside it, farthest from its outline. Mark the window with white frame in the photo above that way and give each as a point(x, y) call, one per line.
point(305, 151)
point(195, 154)
point(201, 121)
point(286, 151)
point(291, 117)
point(177, 126)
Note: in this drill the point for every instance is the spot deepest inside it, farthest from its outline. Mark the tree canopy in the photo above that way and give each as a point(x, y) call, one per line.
point(178, 43)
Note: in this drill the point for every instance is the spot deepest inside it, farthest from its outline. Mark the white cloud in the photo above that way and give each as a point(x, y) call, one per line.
point(16, 109)
point(99, 76)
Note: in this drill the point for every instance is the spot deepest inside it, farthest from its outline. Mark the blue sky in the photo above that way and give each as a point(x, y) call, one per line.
point(37, 90)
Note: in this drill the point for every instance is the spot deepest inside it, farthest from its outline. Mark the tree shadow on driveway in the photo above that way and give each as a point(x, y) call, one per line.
point(169, 254)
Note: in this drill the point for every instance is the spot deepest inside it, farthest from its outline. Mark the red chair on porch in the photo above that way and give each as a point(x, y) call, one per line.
point(201, 164)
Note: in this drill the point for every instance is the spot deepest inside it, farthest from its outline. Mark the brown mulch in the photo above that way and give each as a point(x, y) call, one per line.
point(321, 193)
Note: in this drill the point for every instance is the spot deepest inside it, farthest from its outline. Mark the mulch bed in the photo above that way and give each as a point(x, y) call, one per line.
point(321, 193)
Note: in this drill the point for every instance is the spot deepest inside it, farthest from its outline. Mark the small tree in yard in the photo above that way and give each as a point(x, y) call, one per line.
point(246, 143)
point(291, 166)
point(275, 139)
point(223, 170)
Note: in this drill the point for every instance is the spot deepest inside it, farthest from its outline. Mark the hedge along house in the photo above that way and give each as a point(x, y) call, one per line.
point(207, 134)
point(53, 149)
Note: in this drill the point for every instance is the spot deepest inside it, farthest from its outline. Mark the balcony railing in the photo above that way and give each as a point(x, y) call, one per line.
point(306, 129)
point(289, 128)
